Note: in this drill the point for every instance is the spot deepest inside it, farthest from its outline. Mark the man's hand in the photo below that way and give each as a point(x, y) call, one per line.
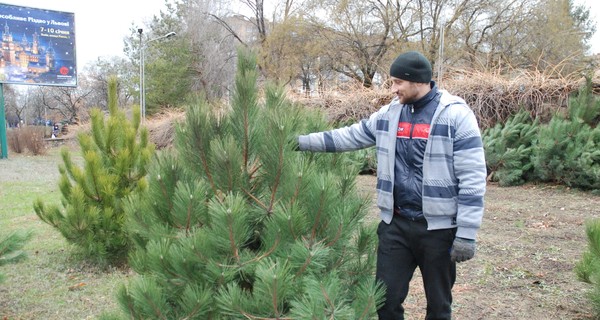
point(462, 250)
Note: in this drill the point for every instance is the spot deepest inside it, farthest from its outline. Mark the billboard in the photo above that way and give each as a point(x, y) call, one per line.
point(38, 46)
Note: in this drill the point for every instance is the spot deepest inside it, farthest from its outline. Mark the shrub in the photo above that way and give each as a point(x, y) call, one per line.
point(16, 141)
point(115, 154)
point(34, 139)
point(588, 268)
point(508, 148)
point(568, 150)
point(10, 248)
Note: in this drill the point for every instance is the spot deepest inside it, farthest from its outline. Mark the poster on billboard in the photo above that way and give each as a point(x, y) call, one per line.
point(38, 46)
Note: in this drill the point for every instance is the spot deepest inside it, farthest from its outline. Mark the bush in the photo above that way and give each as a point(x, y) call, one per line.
point(508, 148)
point(115, 154)
point(588, 268)
point(34, 139)
point(567, 149)
point(10, 248)
point(16, 141)
point(27, 138)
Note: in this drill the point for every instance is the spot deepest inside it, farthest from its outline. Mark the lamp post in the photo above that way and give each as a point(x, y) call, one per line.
point(143, 45)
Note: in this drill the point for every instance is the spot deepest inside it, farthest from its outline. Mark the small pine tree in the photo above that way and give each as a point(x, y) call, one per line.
point(568, 148)
point(588, 268)
point(10, 249)
point(236, 225)
point(116, 154)
point(508, 148)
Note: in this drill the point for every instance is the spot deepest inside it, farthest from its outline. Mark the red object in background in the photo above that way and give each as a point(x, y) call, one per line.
point(64, 71)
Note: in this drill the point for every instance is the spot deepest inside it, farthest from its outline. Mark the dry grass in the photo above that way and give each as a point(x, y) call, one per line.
point(493, 97)
point(161, 127)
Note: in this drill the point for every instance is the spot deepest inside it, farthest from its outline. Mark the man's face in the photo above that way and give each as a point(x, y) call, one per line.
point(407, 92)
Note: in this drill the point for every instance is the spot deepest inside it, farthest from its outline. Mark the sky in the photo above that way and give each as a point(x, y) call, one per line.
point(100, 26)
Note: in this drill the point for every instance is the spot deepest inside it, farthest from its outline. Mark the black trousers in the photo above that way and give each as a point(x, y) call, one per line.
point(404, 245)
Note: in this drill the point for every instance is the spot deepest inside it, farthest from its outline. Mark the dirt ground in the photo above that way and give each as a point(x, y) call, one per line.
point(531, 238)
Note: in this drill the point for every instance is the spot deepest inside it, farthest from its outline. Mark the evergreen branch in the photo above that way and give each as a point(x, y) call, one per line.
point(207, 171)
point(258, 202)
point(156, 309)
point(304, 266)
point(252, 317)
point(255, 167)
point(246, 141)
point(277, 179)
point(231, 237)
point(189, 219)
point(336, 238)
point(165, 194)
point(97, 196)
point(297, 191)
point(274, 296)
point(327, 299)
point(366, 312)
point(256, 259)
point(318, 218)
point(292, 229)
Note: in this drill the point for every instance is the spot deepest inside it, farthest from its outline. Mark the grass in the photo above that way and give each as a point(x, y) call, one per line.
point(53, 283)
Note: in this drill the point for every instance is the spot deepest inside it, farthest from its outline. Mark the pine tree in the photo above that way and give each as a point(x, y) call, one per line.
point(10, 248)
point(568, 148)
point(237, 225)
point(588, 268)
point(115, 158)
point(508, 148)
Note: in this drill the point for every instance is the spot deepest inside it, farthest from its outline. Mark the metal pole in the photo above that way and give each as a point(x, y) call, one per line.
point(3, 142)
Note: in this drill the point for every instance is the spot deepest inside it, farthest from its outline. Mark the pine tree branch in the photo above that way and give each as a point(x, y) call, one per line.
point(157, 311)
point(232, 238)
point(304, 266)
point(274, 297)
point(297, 191)
point(97, 196)
point(277, 179)
point(165, 194)
point(327, 299)
point(256, 259)
point(246, 141)
point(258, 202)
point(318, 218)
point(367, 308)
point(189, 218)
point(336, 238)
point(252, 317)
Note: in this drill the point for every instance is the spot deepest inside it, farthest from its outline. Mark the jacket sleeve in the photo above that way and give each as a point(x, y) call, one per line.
point(357, 136)
point(470, 171)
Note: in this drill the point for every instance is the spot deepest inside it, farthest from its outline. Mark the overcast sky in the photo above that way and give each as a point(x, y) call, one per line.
point(100, 26)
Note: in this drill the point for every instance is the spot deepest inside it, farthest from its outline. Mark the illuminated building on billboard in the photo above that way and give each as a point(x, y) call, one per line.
point(38, 46)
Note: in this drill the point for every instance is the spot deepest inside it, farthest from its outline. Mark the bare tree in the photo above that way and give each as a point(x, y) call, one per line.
point(97, 75)
point(68, 102)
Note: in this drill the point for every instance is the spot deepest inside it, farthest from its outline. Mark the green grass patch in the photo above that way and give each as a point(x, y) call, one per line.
point(53, 282)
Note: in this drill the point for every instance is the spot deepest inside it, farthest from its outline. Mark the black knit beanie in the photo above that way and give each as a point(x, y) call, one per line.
point(411, 66)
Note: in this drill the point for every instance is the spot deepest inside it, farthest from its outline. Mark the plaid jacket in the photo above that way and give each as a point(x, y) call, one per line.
point(454, 170)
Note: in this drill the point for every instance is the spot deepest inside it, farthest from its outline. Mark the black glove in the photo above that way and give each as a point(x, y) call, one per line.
point(462, 249)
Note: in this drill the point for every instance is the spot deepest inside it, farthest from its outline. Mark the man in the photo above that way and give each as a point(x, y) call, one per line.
point(431, 179)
